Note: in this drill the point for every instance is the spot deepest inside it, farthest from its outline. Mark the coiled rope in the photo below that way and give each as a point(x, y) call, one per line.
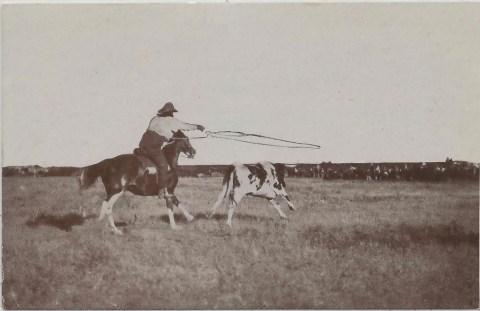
point(238, 136)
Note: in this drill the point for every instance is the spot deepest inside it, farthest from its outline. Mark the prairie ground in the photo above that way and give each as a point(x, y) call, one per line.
point(349, 245)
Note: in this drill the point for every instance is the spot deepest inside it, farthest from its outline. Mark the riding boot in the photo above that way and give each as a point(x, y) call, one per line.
point(161, 190)
point(162, 193)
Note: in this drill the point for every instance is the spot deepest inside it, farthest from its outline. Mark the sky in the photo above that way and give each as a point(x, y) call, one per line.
point(367, 82)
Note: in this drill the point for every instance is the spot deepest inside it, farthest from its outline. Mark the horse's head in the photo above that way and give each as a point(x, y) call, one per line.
point(182, 143)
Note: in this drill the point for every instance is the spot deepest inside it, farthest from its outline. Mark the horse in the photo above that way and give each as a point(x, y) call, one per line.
point(137, 174)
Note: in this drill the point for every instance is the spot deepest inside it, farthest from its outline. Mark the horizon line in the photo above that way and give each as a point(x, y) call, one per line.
point(286, 163)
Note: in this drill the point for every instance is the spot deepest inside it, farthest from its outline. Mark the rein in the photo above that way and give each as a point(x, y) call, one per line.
point(234, 135)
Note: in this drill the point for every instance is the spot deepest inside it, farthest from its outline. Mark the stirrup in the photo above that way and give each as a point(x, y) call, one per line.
point(163, 194)
point(150, 170)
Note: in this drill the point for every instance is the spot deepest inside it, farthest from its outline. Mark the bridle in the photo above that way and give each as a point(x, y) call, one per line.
point(188, 154)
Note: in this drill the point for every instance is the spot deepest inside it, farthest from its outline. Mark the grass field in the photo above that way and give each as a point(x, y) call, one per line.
point(349, 245)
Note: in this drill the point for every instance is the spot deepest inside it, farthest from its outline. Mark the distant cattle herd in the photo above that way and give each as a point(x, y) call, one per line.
point(421, 171)
point(424, 171)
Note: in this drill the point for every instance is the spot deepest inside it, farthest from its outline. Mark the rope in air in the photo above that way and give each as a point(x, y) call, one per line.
point(237, 136)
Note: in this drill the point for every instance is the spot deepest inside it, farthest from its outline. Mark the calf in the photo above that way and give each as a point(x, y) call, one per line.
point(265, 180)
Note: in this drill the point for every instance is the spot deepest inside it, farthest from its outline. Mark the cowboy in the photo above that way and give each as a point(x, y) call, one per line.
point(159, 131)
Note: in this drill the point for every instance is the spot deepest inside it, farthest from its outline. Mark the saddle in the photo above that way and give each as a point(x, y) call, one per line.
point(149, 166)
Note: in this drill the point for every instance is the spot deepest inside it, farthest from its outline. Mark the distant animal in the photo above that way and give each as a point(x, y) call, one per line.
point(264, 180)
point(137, 174)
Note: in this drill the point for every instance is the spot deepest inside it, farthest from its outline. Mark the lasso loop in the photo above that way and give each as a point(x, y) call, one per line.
point(233, 135)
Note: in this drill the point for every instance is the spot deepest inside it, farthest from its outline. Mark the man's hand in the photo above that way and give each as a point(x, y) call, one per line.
point(200, 127)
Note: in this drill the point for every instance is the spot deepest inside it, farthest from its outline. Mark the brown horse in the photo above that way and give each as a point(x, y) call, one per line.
point(137, 174)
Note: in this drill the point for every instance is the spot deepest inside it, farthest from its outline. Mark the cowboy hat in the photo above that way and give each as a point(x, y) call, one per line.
point(168, 107)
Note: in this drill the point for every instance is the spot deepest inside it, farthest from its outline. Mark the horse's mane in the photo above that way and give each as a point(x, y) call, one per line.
point(177, 134)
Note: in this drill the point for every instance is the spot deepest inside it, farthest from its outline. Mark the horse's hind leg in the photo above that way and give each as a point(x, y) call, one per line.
point(182, 208)
point(107, 210)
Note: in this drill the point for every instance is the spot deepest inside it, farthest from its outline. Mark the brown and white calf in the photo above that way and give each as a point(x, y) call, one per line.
point(265, 180)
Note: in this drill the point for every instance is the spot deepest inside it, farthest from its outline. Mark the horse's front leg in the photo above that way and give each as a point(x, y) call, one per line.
point(169, 198)
point(182, 208)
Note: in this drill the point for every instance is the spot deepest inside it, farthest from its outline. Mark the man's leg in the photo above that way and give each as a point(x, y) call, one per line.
point(158, 158)
point(151, 143)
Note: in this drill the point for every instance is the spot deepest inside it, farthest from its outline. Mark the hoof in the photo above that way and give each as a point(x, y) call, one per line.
point(102, 215)
point(116, 231)
point(176, 227)
point(190, 218)
point(292, 208)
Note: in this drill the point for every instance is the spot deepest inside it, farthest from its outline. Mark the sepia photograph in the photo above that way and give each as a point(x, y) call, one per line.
point(235, 155)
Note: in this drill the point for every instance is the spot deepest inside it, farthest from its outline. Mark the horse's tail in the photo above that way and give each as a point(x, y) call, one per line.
point(89, 174)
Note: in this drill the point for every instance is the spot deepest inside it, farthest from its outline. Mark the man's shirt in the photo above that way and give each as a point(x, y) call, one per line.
point(166, 126)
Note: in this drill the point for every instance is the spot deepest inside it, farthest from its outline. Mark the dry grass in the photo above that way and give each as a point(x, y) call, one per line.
point(350, 245)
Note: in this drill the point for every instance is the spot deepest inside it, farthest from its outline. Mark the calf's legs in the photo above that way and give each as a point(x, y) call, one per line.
point(234, 200)
point(290, 204)
point(277, 207)
point(219, 201)
point(231, 209)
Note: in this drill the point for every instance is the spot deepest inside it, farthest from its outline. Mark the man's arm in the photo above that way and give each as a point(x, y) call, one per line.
point(187, 127)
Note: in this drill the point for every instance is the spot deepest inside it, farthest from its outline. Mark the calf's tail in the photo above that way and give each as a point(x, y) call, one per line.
point(227, 180)
point(89, 174)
